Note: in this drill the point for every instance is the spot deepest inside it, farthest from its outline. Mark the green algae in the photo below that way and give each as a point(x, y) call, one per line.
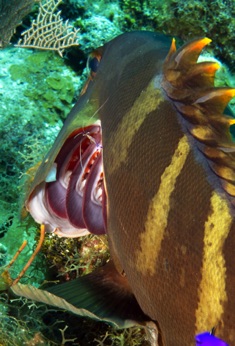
point(46, 84)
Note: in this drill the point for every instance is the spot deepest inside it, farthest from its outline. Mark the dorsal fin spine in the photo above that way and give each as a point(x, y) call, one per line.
point(190, 86)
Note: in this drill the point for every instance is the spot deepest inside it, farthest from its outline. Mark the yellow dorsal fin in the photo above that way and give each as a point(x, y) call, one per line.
point(172, 50)
point(188, 54)
point(216, 99)
point(202, 74)
point(190, 85)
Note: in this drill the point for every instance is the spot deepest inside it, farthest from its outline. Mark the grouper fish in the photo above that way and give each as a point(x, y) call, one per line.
point(158, 154)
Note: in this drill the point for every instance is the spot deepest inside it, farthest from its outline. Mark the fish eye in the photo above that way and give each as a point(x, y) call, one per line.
point(93, 62)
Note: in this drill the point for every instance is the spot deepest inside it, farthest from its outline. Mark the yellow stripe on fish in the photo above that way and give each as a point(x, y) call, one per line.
point(157, 216)
point(120, 141)
point(212, 290)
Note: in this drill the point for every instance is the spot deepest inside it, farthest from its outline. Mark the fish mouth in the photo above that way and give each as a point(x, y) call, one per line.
point(71, 200)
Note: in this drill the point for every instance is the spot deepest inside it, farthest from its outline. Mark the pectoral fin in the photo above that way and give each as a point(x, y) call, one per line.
point(103, 295)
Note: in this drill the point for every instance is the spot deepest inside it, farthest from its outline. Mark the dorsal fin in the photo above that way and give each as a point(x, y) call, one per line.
point(202, 74)
point(190, 85)
point(216, 99)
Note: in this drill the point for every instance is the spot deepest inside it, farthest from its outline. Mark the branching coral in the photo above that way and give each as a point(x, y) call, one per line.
point(48, 31)
point(70, 258)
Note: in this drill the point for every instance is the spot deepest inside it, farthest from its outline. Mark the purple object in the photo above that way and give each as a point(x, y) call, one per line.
point(208, 339)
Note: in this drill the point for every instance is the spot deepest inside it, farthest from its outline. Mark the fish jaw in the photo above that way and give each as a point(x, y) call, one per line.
point(68, 197)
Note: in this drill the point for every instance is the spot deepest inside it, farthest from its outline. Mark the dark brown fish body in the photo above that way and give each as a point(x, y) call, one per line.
point(170, 230)
point(169, 161)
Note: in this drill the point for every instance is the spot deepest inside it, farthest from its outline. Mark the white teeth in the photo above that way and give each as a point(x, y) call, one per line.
point(51, 176)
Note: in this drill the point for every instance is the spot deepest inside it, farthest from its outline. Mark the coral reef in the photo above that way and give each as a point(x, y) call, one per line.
point(187, 19)
point(215, 19)
point(37, 91)
point(45, 91)
point(47, 83)
point(26, 323)
point(70, 258)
